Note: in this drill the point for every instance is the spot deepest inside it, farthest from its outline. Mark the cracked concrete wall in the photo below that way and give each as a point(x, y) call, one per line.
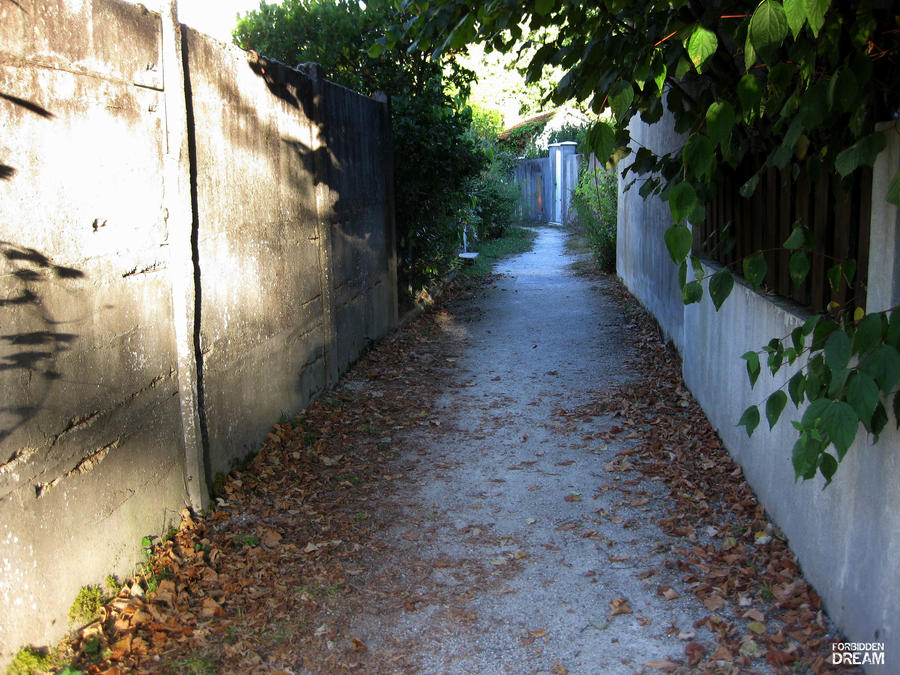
point(295, 237)
point(90, 439)
point(208, 254)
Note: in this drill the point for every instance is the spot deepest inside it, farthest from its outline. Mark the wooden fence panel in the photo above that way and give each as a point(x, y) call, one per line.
point(736, 228)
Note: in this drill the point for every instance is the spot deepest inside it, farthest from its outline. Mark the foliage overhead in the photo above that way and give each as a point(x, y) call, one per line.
point(798, 85)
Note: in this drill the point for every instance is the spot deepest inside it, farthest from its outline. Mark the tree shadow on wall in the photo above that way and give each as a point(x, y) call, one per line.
point(29, 352)
point(31, 340)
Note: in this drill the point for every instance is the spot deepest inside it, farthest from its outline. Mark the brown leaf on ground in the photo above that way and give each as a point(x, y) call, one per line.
point(619, 606)
point(694, 652)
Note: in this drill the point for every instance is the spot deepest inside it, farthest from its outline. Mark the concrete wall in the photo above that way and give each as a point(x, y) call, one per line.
point(181, 264)
point(847, 537)
point(642, 260)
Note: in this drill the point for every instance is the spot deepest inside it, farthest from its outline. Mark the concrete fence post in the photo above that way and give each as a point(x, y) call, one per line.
point(555, 161)
point(883, 290)
point(324, 207)
point(178, 214)
point(568, 177)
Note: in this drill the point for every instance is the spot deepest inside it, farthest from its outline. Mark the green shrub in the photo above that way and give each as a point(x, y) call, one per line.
point(596, 202)
point(494, 196)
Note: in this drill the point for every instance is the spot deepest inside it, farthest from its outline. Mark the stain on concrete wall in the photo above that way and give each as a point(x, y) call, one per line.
point(291, 248)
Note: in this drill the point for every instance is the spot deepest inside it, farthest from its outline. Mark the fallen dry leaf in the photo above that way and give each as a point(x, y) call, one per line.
point(619, 606)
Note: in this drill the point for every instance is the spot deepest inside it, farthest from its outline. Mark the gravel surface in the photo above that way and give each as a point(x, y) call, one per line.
point(518, 552)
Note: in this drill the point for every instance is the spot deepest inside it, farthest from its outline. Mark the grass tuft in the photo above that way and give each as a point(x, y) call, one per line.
point(514, 240)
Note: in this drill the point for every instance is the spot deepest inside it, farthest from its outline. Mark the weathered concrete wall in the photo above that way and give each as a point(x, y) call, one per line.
point(356, 196)
point(182, 264)
point(847, 537)
point(261, 310)
point(91, 455)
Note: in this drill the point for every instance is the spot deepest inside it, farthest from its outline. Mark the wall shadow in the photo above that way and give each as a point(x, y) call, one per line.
point(29, 356)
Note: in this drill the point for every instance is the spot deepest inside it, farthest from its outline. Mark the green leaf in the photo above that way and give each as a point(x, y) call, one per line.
point(768, 27)
point(863, 396)
point(841, 423)
point(869, 332)
point(543, 7)
point(682, 200)
point(375, 50)
point(799, 267)
point(893, 194)
point(883, 365)
point(897, 409)
point(893, 332)
point(797, 338)
point(658, 66)
point(754, 269)
point(828, 466)
point(834, 277)
point(879, 420)
point(750, 96)
point(749, 54)
point(810, 324)
point(795, 12)
point(805, 456)
point(720, 120)
point(849, 266)
point(774, 407)
point(797, 388)
point(815, 13)
point(620, 98)
point(697, 155)
point(679, 241)
point(837, 351)
point(692, 292)
point(814, 413)
point(748, 188)
point(797, 239)
point(863, 152)
point(701, 45)
point(750, 419)
point(601, 138)
point(720, 285)
point(753, 368)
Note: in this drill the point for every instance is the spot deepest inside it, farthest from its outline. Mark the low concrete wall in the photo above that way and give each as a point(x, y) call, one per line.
point(181, 264)
point(847, 537)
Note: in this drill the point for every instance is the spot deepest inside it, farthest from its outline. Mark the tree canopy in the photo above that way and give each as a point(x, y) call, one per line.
point(798, 85)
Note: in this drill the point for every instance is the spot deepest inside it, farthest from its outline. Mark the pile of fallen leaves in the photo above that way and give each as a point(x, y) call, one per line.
point(734, 560)
point(247, 588)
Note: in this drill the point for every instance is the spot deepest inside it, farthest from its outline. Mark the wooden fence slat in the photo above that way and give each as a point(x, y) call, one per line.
point(840, 228)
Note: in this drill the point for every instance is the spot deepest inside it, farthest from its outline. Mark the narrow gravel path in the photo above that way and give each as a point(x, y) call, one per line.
point(516, 482)
point(516, 550)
